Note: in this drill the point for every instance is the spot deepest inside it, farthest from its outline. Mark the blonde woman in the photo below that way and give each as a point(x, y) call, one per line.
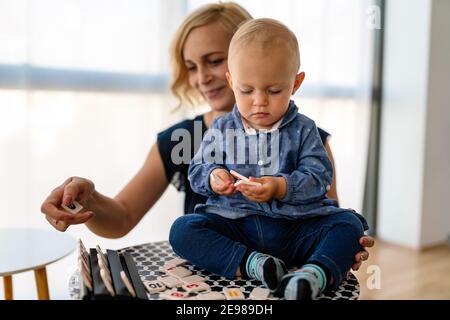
point(199, 61)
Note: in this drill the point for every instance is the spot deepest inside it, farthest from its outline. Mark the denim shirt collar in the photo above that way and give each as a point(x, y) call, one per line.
point(290, 115)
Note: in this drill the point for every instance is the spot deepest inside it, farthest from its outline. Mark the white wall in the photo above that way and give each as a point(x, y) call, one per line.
point(436, 221)
point(414, 132)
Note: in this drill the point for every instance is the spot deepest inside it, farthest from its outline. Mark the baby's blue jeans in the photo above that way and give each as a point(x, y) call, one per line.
point(218, 244)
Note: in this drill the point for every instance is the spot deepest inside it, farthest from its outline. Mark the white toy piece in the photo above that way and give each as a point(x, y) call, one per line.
point(243, 179)
point(250, 183)
point(259, 294)
point(173, 295)
point(213, 295)
point(233, 294)
point(238, 175)
point(193, 279)
point(170, 282)
point(166, 268)
point(175, 262)
point(196, 287)
point(73, 208)
point(154, 286)
point(179, 272)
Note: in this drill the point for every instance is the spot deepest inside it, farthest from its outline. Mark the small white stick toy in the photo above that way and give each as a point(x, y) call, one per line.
point(243, 179)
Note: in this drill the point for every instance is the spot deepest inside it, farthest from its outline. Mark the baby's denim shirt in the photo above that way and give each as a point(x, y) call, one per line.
point(293, 151)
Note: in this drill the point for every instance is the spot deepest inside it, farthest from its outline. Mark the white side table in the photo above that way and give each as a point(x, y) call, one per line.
point(31, 249)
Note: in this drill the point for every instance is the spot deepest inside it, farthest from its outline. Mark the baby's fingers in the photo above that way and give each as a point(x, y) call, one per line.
point(248, 190)
point(220, 187)
point(230, 189)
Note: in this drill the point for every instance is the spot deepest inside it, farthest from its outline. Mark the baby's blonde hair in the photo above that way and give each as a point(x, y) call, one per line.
point(229, 14)
point(267, 34)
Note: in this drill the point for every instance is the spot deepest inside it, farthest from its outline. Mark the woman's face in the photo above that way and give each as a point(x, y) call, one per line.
point(205, 56)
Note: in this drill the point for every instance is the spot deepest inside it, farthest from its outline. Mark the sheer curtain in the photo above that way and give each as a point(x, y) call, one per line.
point(84, 90)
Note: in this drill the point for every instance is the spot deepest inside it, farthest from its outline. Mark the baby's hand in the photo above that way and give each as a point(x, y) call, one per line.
point(271, 187)
point(222, 182)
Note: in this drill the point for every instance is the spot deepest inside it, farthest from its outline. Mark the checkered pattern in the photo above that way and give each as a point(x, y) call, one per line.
point(149, 257)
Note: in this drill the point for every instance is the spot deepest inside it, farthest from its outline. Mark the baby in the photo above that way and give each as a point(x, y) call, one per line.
point(283, 219)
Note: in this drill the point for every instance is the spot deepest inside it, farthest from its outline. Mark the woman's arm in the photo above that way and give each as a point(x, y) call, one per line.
point(116, 217)
point(332, 193)
point(112, 217)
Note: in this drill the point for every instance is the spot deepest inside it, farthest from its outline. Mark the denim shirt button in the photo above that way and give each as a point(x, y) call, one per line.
point(260, 163)
point(328, 187)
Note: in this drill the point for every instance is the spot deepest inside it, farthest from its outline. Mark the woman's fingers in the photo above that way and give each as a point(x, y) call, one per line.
point(362, 255)
point(356, 266)
point(50, 206)
point(53, 212)
point(82, 217)
point(57, 224)
point(71, 191)
point(62, 225)
point(367, 241)
point(76, 188)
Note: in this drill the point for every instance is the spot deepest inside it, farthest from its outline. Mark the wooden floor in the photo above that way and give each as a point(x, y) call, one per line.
point(406, 273)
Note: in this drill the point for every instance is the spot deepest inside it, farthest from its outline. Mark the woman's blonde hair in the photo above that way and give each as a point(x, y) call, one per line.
point(229, 14)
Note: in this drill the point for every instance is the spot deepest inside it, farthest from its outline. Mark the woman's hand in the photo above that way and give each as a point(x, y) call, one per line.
point(271, 187)
point(366, 242)
point(74, 188)
point(222, 182)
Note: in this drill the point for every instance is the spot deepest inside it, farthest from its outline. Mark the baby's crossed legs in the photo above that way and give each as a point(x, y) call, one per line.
point(220, 245)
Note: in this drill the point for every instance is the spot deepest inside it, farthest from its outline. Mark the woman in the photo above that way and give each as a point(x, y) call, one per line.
point(199, 61)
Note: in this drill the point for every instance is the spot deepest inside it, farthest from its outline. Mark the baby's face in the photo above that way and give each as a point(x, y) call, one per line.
point(263, 83)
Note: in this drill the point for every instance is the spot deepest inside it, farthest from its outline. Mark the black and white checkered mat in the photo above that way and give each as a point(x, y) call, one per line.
point(149, 257)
